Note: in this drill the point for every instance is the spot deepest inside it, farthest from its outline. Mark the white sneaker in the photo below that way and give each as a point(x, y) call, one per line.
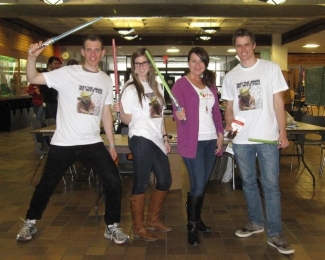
point(26, 231)
point(116, 234)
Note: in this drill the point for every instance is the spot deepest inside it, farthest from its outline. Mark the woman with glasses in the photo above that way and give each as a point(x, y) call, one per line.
point(199, 133)
point(141, 108)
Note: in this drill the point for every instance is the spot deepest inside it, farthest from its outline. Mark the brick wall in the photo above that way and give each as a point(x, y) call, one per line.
point(15, 40)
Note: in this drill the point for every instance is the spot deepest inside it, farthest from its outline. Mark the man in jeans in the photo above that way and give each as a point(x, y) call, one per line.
point(253, 91)
point(77, 135)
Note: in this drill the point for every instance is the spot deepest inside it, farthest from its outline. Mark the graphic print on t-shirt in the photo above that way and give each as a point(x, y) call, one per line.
point(249, 95)
point(89, 100)
point(154, 105)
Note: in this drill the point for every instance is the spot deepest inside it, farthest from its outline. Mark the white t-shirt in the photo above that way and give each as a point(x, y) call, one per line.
point(207, 129)
point(82, 96)
point(251, 90)
point(147, 121)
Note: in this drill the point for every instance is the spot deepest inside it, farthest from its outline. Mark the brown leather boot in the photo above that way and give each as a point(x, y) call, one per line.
point(157, 201)
point(137, 211)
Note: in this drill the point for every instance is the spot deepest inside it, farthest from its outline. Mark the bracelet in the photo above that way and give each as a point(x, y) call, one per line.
point(165, 135)
point(111, 145)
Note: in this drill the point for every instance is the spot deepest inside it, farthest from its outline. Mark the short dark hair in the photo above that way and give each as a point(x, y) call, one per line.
point(241, 32)
point(72, 62)
point(53, 58)
point(92, 38)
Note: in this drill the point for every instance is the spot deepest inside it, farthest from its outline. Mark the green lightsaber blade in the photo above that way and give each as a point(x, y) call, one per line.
point(174, 100)
point(263, 141)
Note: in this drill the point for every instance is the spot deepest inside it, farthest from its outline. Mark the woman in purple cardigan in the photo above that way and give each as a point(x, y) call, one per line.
point(199, 133)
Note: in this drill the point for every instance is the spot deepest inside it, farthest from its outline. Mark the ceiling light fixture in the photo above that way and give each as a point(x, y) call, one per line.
point(210, 30)
point(231, 50)
point(273, 2)
point(124, 30)
point(311, 45)
point(205, 37)
point(55, 2)
point(172, 50)
point(130, 37)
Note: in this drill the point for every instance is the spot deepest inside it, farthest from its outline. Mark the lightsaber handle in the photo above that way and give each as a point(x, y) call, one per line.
point(174, 100)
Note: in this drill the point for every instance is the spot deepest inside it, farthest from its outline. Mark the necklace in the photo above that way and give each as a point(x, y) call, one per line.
point(206, 101)
point(205, 96)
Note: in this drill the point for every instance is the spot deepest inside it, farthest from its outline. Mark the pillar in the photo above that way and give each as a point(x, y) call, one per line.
point(279, 52)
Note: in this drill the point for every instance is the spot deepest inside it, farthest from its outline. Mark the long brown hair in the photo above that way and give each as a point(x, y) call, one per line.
point(151, 77)
point(209, 78)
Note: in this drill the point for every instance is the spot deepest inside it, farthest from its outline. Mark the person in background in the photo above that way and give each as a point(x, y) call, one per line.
point(77, 135)
point(141, 108)
point(199, 133)
point(50, 95)
point(72, 62)
point(253, 91)
point(37, 101)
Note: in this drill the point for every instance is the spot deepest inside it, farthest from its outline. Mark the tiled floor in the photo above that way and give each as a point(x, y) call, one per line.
point(69, 229)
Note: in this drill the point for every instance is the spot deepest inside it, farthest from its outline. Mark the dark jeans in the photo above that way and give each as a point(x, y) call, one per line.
point(200, 167)
point(148, 157)
point(98, 158)
point(50, 110)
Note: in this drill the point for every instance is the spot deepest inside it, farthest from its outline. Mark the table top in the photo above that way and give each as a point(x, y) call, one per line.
point(121, 141)
point(303, 128)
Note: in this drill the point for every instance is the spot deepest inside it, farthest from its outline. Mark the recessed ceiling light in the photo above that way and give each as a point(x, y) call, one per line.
point(205, 37)
point(311, 45)
point(231, 50)
point(172, 50)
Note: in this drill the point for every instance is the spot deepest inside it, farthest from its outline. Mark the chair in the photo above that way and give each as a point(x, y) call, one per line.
point(41, 148)
point(316, 139)
point(50, 121)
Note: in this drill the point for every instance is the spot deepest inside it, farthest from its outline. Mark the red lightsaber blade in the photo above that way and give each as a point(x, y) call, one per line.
point(117, 88)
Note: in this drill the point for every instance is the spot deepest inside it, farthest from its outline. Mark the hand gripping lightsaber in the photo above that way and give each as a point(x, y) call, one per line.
point(117, 89)
point(174, 100)
point(59, 37)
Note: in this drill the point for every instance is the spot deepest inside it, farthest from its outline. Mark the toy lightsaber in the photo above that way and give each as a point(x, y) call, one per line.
point(117, 89)
point(263, 141)
point(174, 100)
point(59, 37)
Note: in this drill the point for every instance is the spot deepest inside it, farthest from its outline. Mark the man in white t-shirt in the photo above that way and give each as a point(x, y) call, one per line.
point(77, 134)
point(253, 91)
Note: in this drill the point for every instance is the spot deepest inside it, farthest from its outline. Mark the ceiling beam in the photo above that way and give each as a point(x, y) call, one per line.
point(169, 10)
point(308, 29)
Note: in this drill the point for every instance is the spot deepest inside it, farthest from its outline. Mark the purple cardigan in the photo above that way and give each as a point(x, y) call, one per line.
point(188, 131)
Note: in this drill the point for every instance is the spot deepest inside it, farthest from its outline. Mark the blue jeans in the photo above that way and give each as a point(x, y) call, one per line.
point(268, 159)
point(200, 167)
point(148, 157)
point(60, 158)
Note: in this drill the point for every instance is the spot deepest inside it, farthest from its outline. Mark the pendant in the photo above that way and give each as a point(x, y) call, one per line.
point(206, 109)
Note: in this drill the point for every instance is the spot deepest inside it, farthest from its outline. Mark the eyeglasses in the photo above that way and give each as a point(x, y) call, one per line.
point(144, 64)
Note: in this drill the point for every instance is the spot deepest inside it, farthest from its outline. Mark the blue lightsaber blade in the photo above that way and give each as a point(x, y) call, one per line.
point(56, 38)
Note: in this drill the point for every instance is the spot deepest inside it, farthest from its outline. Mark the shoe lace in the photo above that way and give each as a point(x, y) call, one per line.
point(25, 227)
point(281, 240)
point(116, 231)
